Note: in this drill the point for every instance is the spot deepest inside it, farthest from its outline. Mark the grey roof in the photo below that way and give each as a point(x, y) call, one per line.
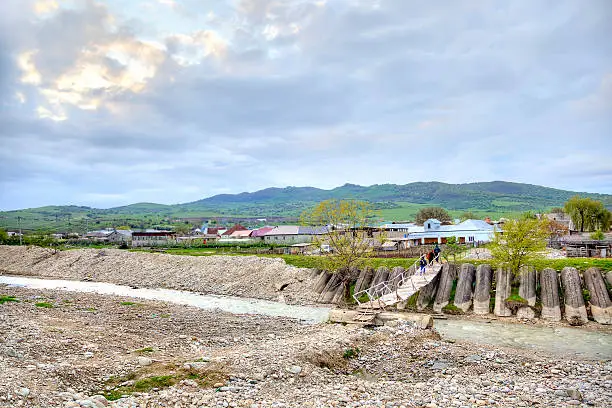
point(312, 230)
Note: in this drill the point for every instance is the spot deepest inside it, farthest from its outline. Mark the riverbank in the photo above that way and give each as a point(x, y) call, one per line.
point(86, 344)
point(246, 276)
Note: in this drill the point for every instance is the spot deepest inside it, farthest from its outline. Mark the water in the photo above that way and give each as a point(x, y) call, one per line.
point(566, 341)
point(571, 342)
point(226, 303)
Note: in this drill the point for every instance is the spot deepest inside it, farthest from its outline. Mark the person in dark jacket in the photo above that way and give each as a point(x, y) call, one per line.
point(422, 264)
point(437, 253)
point(430, 257)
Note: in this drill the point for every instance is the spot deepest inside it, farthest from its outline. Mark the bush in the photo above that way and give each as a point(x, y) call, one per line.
point(452, 310)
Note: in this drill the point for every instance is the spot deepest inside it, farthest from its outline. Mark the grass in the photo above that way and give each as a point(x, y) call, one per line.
point(351, 353)
point(4, 299)
point(129, 304)
point(161, 376)
point(452, 309)
point(45, 305)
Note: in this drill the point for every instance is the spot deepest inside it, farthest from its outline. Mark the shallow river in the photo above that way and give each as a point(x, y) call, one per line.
point(575, 342)
point(226, 303)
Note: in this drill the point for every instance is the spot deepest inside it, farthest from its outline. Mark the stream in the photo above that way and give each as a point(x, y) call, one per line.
point(573, 342)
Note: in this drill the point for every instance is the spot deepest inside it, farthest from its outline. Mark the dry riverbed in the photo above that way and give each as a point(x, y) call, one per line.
point(64, 349)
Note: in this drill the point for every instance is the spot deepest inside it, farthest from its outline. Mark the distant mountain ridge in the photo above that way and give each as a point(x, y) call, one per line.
point(495, 198)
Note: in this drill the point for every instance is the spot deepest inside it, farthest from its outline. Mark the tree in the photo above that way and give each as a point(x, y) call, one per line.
point(349, 240)
point(438, 213)
point(519, 243)
point(588, 214)
point(452, 249)
point(598, 236)
point(4, 237)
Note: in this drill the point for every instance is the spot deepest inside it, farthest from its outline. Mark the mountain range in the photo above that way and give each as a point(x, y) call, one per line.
point(394, 202)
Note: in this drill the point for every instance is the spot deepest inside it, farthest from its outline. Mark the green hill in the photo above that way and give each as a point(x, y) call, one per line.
point(394, 202)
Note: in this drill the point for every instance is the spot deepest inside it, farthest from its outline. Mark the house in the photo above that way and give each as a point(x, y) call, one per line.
point(230, 231)
point(468, 231)
point(100, 235)
point(399, 230)
point(293, 234)
point(583, 245)
point(241, 234)
point(120, 236)
point(157, 238)
point(259, 234)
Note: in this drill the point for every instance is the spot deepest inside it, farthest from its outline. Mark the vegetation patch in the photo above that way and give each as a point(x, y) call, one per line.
point(161, 376)
point(351, 352)
point(45, 305)
point(452, 310)
point(515, 302)
point(129, 304)
point(4, 299)
point(586, 295)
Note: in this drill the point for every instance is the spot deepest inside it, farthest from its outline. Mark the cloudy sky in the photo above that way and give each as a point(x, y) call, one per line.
point(111, 102)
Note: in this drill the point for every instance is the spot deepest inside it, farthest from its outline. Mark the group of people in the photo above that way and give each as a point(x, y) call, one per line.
point(425, 260)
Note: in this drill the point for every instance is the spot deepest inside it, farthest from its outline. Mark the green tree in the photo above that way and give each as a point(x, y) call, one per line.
point(438, 213)
point(598, 236)
point(519, 243)
point(4, 238)
point(350, 242)
point(588, 214)
point(452, 249)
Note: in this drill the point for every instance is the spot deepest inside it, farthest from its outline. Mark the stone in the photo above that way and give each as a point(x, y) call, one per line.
point(482, 293)
point(525, 312)
point(427, 293)
point(503, 287)
point(88, 354)
point(609, 277)
point(381, 275)
point(144, 361)
point(447, 277)
point(549, 292)
point(321, 282)
point(339, 295)
point(364, 280)
point(575, 311)
point(395, 276)
point(294, 369)
point(24, 392)
point(527, 286)
point(601, 306)
point(331, 288)
point(463, 293)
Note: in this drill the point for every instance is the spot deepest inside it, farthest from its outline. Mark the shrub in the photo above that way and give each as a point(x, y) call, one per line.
point(45, 305)
point(452, 310)
point(5, 299)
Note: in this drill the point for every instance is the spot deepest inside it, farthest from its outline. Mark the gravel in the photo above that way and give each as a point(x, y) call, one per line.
point(247, 276)
point(266, 362)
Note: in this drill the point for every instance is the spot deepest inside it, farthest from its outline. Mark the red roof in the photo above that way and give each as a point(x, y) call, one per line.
point(261, 231)
point(235, 228)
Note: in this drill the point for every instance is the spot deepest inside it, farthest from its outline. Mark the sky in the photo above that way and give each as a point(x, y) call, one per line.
point(111, 102)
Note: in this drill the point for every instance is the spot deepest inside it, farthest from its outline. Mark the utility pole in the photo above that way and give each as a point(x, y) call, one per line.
point(19, 222)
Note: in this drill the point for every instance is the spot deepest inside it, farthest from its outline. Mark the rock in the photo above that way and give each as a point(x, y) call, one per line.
point(574, 394)
point(609, 277)
point(601, 306)
point(339, 295)
point(394, 277)
point(24, 392)
point(575, 311)
point(218, 385)
point(327, 295)
point(463, 294)
point(525, 312)
point(321, 282)
point(549, 285)
point(527, 287)
point(503, 288)
point(447, 277)
point(11, 352)
point(427, 293)
point(294, 369)
point(88, 354)
point(482, 293)
point(144, 361)
point(381, 275)
point(365, 279)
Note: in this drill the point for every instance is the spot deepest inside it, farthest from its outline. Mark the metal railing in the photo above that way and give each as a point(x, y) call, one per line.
point(388, 286)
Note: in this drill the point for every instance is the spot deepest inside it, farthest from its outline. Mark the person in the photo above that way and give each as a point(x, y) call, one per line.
point(422, 264)
point(437, 253)
point(430, 257)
